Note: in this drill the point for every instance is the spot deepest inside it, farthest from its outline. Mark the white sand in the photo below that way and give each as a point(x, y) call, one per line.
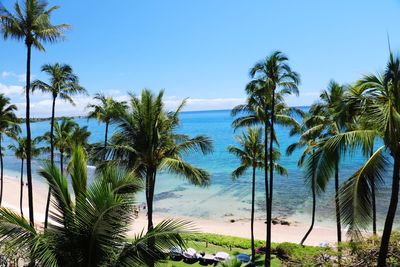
point(241, 228)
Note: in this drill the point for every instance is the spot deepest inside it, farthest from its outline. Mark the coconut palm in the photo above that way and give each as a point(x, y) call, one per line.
point(31, 24)
point(8, 127)
point(272, 80)
point(63, 84)
point(146, 142)
point(89, 229)
point(251, 155)
point(19, 150)
point(63, 138)
point(106, 110)
point(332, 111)
point(309, 132)
point(358, 193)
point(383, 113)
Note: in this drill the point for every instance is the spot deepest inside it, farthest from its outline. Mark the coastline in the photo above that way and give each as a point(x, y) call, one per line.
point(240, 228)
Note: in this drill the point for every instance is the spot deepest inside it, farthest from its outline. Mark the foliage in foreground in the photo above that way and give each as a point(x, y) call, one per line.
point(90, 227)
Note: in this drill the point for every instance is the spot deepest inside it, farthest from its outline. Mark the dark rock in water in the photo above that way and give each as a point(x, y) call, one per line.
point(275, 221)
point(232, 220)
point(179, 188)
point(283, 222)
point(165, 195)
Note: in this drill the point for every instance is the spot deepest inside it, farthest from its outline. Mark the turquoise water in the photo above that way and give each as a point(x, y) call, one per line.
point(226, 199)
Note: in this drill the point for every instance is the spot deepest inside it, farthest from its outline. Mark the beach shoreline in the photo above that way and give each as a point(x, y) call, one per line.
point(227, 226)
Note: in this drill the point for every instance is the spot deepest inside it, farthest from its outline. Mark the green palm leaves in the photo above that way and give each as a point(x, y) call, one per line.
point(91, 228)
point(272, 80)
point(146, 141)
point(251, 155)
point(32, 25)
point(107, 110)
point(8, 127)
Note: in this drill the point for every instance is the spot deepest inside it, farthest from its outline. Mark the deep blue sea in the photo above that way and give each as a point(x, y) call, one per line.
point(225, 198)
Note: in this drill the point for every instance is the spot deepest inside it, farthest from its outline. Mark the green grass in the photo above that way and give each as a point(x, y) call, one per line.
point(212, 243)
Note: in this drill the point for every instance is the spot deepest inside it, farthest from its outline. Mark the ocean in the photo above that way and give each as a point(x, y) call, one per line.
point(225, 199)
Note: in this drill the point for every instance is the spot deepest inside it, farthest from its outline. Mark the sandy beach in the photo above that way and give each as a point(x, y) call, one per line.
point(241, 228)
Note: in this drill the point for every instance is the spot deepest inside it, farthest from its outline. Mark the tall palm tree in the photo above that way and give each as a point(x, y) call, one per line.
point(19, 150)
point(91, 228)
point(63, 84)
point(31, 24)
point(383, 112)
point(310, 131)
point(272, 80)
point(8, 127)
point(360, 189)
point(146, 142)
point(251, 155)
point(333, 118)
point(106, 110)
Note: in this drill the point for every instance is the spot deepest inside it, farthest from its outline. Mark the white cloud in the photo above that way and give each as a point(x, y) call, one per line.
point(10, 90)
point(42, 107)
point(20, 77)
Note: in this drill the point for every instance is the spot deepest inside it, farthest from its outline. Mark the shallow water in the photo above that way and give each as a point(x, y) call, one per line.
point(224, 198)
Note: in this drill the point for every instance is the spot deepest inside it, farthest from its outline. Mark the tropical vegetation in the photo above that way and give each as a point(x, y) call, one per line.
point(19, 150)
point(89, 226)
point(31, 24)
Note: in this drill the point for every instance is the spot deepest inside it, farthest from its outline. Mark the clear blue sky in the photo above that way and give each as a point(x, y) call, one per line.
point(203, 49)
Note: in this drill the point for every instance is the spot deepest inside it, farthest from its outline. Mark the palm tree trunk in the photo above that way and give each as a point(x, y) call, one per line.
point(106, 135)
point(387, 230)
point(373, 200)
point(150, 184)
point(314, 200)
point(149, 199)
point(1, 171)
point(46, 218)
point(271, 180)
point(267, 257)
point(253, 194)
point(52, 131)
point(22, 188)
point(337, 204)
point(28, 134)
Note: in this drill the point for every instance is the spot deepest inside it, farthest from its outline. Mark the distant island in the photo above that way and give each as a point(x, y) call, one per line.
point(22, 120)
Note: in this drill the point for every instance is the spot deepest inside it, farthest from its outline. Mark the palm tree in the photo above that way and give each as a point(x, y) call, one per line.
point(251, 155)
point(89, 229)
point(310, 131)
point(333, 117)
point(31, 24)
point(19, 150)
point(272, 80)
point(360, 189)
point(382, 112)
point(107, 110)
point(9, 127)
point(63, 84)
point(63, 138)
point(146, 142)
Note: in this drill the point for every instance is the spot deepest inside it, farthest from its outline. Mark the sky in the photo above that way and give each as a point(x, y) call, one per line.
point(203, 49)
